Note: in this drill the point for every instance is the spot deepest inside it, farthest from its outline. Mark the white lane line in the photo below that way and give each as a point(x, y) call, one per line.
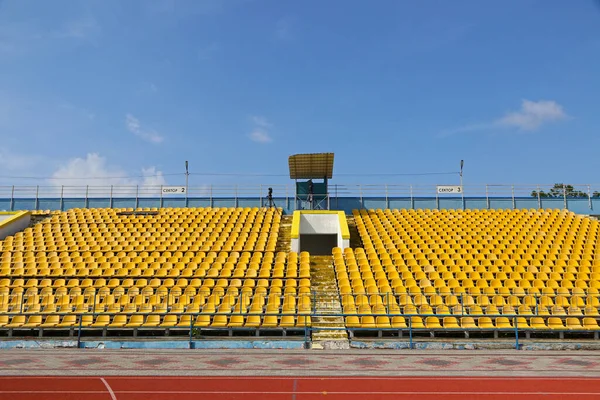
point(112, 394)
point(345, 377)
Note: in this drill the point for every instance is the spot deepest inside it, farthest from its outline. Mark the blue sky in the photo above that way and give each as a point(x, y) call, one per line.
point(104, 89)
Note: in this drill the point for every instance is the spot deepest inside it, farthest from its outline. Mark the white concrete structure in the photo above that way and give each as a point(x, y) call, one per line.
point(320, 223)
point(13, 222)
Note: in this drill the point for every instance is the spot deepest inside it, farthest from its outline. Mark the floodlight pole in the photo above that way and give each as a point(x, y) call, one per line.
point(462, 163)
point(187, 175)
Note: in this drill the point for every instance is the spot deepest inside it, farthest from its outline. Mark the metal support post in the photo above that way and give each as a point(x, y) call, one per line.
point(590, 197)
point(410, 336)
point(12, 199)
point(191, 333)
point(37, 197)
point(412, 200)
point(62, 201)
point(137, 196)
point(87, 192)
point(566, 206)
point(539, 197)
point(362, 205)
point(514, 203)
point(387, 200)
point(516, 333)
point(111, 196)
point(160, 204)
point(79, 332)
point(487, 197)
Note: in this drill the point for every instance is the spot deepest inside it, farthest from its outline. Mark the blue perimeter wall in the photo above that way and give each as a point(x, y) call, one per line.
point(347, 204)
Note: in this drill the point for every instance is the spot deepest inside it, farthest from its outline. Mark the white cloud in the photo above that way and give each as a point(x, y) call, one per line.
point(95, 171)
point(261, 121)
point(260, 133)
point(533, 115)
point(134, 126)
point(260, 136)
point(152, 177)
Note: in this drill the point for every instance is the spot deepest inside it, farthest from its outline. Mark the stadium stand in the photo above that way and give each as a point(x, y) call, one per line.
point(450, 269)
point(152, 269)
point(226, 269)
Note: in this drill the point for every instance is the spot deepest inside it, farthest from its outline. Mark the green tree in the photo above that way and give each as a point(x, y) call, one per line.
point(559, 189)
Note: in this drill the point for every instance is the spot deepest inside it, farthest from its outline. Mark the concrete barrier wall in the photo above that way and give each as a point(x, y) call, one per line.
point(13, 222)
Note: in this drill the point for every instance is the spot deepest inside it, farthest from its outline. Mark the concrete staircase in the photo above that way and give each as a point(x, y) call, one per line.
point(284, 237)
point(355, 240)
point(326, 300)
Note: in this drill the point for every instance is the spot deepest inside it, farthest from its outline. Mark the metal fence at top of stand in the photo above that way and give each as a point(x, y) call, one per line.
point(196, 324)
point(286, 190)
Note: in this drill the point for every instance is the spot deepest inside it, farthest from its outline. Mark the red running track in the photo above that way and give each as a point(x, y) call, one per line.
point(295, 388)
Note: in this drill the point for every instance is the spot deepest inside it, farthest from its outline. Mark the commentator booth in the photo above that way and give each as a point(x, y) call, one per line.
point(311, 173)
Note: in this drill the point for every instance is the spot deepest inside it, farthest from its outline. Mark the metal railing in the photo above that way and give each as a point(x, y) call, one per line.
point(410, 323)
point(340, 196)
point(586, 190)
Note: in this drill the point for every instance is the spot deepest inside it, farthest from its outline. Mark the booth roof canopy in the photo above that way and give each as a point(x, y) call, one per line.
point(311, 166)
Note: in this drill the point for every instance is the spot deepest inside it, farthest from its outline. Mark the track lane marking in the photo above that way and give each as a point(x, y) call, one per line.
point(110, 391)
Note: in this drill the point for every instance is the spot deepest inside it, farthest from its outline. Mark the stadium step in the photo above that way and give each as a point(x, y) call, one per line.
point(326, 301)
point(355, 240)
point(37, 218)
point(284, 237)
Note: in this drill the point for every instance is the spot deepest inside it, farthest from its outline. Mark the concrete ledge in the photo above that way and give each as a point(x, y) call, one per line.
point(153, 344)
point(481, 345)
point(13, 222)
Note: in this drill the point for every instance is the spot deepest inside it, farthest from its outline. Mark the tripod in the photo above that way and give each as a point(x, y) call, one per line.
point(270, 203)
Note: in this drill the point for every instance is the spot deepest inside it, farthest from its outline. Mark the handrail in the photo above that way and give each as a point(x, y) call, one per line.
point(584, 190)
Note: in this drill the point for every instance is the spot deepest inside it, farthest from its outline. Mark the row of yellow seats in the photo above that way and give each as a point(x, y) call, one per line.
point(169, 239)
point(49, 295)
point(155, 321)
point(164, 256)
point(529, 272)
point(144, 303)
point(98, 214)
point(359, 288)
point(142, 297)
point(176, 304)
point(6, 285)
point(536, 279)
point(466, 283)
point(453, 300)
point(258, 245)
point(474, 273)
point(454, 211)
point(243, 270)
point(154, 264)
point(470, 323)
point(198, 227)
point(138, 240)
point(149, 257)
point(470, 310)
point(214, 296)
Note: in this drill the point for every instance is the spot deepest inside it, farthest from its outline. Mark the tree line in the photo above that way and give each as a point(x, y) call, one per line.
point(559, 189)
